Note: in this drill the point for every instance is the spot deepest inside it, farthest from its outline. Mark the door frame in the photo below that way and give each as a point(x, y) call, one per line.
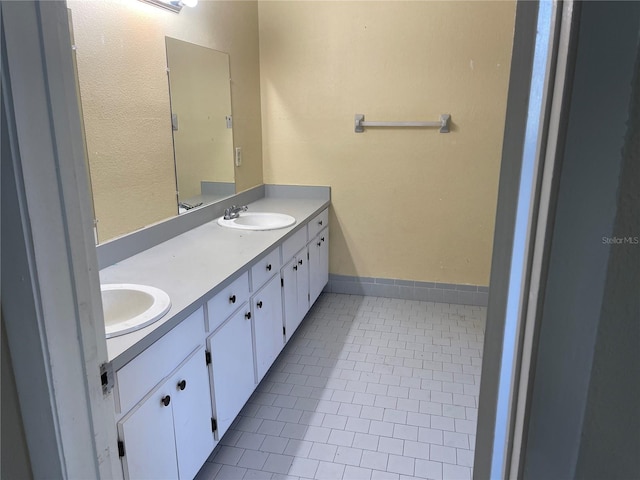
point(539, 89)
point(51, 304)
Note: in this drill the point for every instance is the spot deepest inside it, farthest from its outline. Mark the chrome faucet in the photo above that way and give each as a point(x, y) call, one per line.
point(234, 212)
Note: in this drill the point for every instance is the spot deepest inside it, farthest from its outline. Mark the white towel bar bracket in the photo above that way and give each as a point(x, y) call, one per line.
point(443, 124)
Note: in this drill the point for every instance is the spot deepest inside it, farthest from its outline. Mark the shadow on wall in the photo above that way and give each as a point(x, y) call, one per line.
point(341, 258)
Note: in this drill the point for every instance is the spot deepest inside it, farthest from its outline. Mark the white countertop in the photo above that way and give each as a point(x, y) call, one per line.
point(195, 265)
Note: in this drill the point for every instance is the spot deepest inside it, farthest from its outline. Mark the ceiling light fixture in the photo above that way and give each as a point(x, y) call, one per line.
point(172, 5)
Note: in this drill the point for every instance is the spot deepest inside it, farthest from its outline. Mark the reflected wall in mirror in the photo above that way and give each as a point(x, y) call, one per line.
point(199, 81)
point(122, 73)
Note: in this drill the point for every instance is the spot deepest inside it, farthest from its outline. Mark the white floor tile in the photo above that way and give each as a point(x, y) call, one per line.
point(391, 445)
point(253, 459)
point(443, 454)
point(228, 455)
point(276, 463)
point(329, 471)
point(384, 429)
point(228, 471)
point(380, 475)
point(348, 456)
point(455, 472)
point(401, 464)
point(356, 473)
point(416, 449)
point(367, 388)
point(458, 440)
point(304, 467)
point(464, 457)
point(374, 460)
point(251, 441)
point(322, 451)
point(366, 441)
point(257, 475)
point(428, 469)
point(341, 438)
point(298, 448)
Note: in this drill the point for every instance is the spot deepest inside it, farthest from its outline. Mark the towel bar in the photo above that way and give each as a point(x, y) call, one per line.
point(443, 124)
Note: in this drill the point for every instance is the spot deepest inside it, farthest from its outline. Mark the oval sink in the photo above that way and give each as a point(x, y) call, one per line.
point(258, 221)
point(128, 307)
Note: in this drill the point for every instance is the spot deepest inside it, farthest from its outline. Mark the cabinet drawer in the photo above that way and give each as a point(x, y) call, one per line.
point(319, 222)
point(140, 375)
point(294, 244)
point(225, 302)
point(264, 269)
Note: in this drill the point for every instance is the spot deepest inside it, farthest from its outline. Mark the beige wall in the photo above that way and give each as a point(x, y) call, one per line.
point(123, 83)
point(408, 204)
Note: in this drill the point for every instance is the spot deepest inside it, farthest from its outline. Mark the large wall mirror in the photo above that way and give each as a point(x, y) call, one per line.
point(201, 121)
point(146, 96)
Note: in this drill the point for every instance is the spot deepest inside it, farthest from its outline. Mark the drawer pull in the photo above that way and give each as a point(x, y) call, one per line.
point(259, 304)
point(299, 262)
point(295, 267)
point(247, 315)
point(320, 223)
point(232, 299)
point(269, 267)
point(166, 400)
point(182, 384)
point(322, 239)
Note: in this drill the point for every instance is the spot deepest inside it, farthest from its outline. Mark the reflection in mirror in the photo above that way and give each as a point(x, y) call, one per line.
point(199, 87)
point(121, 52)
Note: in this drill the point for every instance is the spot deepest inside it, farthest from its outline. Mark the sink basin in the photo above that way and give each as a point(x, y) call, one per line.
point(128, 307)
point(258, 221)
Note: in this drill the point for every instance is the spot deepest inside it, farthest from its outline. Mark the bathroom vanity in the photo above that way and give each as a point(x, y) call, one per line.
point(237, 298)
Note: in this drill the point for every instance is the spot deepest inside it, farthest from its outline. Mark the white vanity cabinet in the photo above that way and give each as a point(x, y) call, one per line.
point(295, 280)
point(295, 291)
point(163, 396)
point(169, 434)
point(148, 447)
point(266, 306)
point(176, 399)
point(232, 371)
point(192, 414)
point(318, 254)
point(230, 351)
point(318, 264)
point(306, 272)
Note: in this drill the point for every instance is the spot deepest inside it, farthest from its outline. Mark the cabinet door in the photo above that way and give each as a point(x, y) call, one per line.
point(147, 433)
point(295, 292)
point(302, 284)
point(192, 414)
point(267, 322)
point(324, 259)
point(232, 370)
point(289, 297)
point(318, 264)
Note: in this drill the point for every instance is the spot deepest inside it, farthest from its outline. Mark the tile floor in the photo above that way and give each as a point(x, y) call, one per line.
point(367, 388)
